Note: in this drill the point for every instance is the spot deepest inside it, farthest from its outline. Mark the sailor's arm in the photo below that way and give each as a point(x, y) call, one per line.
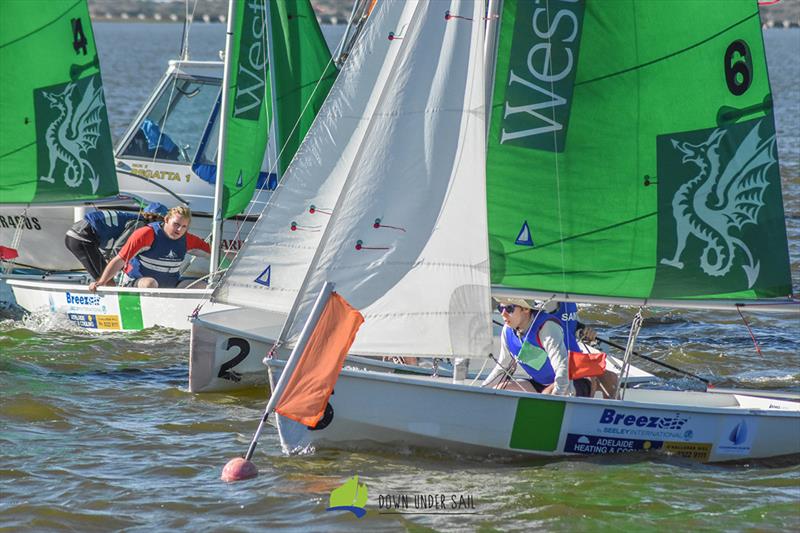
point(552, 338)
point(140, 240)
point(113, 266)
point(197, 246)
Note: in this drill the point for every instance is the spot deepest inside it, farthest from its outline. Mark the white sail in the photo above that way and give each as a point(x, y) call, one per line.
point(270, 271)
point(407, 242)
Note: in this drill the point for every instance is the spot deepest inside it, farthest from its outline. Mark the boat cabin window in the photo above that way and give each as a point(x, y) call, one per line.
point(208, 153)
point(173, 127)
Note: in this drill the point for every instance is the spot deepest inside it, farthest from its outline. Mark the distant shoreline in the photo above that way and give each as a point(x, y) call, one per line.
point(334, 21)
point(118, 20)
point(773, 13)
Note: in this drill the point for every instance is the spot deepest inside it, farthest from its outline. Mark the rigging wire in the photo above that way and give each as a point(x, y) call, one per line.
point(187, 23)
point(755, 342)
point(273, 166)
point(636, 326)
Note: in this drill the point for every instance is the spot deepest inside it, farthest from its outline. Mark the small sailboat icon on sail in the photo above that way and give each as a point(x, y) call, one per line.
point(524, 236)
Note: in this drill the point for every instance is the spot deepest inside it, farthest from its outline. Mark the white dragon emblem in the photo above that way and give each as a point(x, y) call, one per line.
point(73, 133)
point(719, 199)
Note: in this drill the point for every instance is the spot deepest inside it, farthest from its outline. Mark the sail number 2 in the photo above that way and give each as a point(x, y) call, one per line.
point(226, 370)
point(738, 67)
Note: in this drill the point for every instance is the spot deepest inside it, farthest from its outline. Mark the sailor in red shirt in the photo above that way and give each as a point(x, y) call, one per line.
point(153, 255)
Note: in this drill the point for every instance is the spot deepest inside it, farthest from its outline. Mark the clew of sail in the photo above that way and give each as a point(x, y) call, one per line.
point(55, 142)
point(641, 159)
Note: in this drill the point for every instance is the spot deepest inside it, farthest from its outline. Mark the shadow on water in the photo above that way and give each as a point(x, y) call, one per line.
point(174, 376)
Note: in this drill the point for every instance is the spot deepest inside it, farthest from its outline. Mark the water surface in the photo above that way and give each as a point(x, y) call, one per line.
point(99, 432)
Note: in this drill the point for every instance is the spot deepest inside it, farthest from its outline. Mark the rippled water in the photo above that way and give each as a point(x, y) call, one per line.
point(98, 432)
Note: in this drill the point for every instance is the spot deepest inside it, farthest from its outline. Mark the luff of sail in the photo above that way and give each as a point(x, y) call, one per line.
point(269, 271)
point(407, 241)
point(642, 159)
point(55, 142)
point(302, 72)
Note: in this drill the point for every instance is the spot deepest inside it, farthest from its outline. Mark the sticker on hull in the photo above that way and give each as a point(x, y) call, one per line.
point(107, 322)
point(100, 311)
point(594, 445)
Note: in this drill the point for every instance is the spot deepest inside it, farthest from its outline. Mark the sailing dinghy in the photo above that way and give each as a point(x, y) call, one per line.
point(298, 80)
point(404, 236)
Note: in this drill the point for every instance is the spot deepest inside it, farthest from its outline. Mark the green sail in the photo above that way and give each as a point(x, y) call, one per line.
point(55, 143)
point(301, 56)
point(304, 72)
point(631, 151)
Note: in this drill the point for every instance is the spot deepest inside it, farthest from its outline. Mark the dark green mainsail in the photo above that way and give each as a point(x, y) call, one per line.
point(55, 143)
point(631, 151)
point(301, 59)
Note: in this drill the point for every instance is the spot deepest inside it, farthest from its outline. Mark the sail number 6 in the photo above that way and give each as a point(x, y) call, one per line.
point(738, 67)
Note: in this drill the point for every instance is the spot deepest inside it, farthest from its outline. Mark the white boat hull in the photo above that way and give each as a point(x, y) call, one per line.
point(227, 348)
point(431, 413)
point(226, 354)
point(37, 233)
point(110, 308)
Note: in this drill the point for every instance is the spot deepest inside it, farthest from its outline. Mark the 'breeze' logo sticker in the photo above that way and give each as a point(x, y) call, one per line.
point(612, 417)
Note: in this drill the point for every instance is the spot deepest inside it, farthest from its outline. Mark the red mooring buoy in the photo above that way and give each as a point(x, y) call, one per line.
point(238, 469)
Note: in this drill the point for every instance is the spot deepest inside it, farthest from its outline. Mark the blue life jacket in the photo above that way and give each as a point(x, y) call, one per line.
point(108, 225)
point(567, 315)
point(545, 375)
point(162, 261)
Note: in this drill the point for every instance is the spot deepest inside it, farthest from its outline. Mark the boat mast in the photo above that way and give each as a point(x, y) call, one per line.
point(340, 48)
point(274, 97)
point(216, 228)
point(490, 52)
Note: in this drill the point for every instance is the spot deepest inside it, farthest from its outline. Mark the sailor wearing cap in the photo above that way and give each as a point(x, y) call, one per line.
point(534, 340)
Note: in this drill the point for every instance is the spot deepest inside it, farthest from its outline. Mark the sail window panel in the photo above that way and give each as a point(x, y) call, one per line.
point(172, 129)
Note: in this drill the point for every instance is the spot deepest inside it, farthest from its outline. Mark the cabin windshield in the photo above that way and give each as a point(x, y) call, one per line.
point(173, 127)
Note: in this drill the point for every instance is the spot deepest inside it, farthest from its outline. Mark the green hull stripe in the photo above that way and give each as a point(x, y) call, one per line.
point(130, 310)
point(537, 425)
